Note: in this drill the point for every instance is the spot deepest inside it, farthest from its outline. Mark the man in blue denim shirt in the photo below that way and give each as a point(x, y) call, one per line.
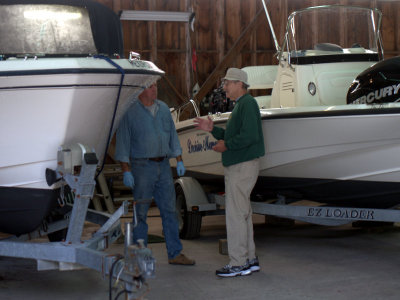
point(146, 139)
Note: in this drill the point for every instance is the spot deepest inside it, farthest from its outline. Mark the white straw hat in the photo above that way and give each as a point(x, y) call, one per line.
point(236, 74)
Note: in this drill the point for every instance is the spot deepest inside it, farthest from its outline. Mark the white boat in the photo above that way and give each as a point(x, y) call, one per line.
point(62, 80)
point(318, 147)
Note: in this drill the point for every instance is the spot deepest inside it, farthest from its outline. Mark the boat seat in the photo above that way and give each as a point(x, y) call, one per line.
point(328, 47)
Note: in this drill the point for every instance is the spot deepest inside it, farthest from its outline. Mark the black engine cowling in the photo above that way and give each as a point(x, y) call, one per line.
point(379, 83)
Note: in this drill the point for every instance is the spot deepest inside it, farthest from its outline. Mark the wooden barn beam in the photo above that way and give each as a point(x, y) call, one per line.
point(181, 99)
point(253, 38)
point(152, 31)
point(220, 25)
point(229, 57)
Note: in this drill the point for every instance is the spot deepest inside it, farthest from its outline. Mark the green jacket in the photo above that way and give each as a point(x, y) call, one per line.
point(243, 135)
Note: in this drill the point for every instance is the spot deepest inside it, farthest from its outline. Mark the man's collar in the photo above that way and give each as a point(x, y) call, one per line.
point(155, 102)
point(237, 99)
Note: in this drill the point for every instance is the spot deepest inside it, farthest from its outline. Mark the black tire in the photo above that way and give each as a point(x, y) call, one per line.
point(189, 221)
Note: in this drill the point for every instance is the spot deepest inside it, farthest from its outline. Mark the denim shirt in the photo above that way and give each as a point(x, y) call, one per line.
point(140, 135)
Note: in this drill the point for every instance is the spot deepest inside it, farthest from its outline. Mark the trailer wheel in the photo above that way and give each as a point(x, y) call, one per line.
point(189, 221)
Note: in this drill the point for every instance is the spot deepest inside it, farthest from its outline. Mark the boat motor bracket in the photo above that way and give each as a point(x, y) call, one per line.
point(70, 158)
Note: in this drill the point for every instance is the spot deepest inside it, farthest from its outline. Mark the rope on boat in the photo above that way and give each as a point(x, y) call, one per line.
point(107, 59)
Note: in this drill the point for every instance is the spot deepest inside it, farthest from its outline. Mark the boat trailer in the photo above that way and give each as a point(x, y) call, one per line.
point(131, 270)
point(322, 215)
point(199, 203)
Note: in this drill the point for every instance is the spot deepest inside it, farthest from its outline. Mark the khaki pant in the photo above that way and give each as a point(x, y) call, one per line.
point(239, 182)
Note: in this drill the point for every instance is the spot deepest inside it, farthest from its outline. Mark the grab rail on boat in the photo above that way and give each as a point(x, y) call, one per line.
point(176, 112)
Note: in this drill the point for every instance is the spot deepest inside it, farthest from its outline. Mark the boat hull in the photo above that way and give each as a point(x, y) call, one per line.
point(42, 108)
point(22, 209)
point(343, 155)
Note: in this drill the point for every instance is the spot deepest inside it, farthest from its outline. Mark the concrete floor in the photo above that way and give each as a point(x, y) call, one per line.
point(301, 262)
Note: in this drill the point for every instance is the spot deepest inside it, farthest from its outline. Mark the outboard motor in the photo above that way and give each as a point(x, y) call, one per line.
point(379, 83)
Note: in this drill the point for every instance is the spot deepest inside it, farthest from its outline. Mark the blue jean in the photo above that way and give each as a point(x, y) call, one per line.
point(154, 179)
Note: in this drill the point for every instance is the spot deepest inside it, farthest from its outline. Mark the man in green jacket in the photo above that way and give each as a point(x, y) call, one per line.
point(241, 145)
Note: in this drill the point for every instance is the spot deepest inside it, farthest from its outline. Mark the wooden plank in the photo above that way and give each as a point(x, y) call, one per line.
point(116, 5)
point(253, 38)
point(229, 57)
point(397, 30)
point(136, 37)
point(204, 24)
point(220, 29)
point(184, 43)
point(172, 87)
point(388, 25)
point(233, 22)
point(188, 62)
point(152, 37)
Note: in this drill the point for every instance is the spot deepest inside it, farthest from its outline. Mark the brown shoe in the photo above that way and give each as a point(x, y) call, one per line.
point(181, 259)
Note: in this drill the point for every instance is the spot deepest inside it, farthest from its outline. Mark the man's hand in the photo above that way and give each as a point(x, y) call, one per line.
point(128, 180)
point(204, 124)
point(180, 168)
point(220, 146)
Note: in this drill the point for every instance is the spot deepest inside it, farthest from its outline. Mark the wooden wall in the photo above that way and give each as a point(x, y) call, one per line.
point(218, 25)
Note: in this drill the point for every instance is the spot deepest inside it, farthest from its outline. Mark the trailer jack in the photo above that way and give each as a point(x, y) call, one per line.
point(77, 166)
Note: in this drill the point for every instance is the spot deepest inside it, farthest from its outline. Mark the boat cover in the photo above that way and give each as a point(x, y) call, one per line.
point(105, 24)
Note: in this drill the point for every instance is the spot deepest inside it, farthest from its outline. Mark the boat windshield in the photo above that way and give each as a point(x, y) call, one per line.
point(45, 29)
point(351, 30)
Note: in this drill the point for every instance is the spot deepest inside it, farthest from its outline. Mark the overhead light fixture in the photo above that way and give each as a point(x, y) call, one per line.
point(152, 15)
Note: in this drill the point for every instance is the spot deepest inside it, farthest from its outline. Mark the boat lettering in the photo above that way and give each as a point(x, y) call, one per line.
point(199, 146)
point(343, 213)
point(378, 94)
point(140, 64)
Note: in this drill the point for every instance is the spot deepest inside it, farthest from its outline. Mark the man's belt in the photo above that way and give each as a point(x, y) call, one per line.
point(157, 159)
